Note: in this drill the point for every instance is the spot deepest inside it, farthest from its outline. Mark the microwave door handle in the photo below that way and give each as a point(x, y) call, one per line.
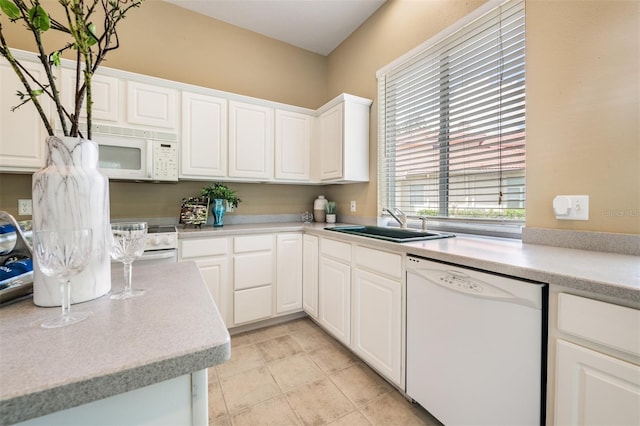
point(149, 154)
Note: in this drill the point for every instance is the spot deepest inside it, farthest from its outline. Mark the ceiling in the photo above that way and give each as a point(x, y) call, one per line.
point(315, 25)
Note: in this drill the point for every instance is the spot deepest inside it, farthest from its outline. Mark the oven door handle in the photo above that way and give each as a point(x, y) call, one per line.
point(165, 254)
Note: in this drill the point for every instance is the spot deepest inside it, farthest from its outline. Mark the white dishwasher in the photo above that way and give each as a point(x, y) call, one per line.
point(476, 345)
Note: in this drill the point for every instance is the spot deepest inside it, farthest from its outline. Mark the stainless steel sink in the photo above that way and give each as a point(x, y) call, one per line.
point(396, 235)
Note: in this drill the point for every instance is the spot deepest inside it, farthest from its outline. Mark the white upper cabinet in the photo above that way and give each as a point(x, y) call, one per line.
point(331, 158)
point(292, 146)
point(152, 105)
point(343, 139)
point(204, 136)
point(22, 134)
point(251, 138)
point(105, 95)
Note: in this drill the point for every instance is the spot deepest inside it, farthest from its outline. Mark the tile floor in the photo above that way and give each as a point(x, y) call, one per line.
point(296, 374)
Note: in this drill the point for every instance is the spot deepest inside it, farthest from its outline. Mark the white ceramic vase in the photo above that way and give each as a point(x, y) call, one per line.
point(70, 192)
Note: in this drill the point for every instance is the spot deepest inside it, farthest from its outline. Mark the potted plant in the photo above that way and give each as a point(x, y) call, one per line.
point(69, 192)
point(330, 209)
point(220, 194)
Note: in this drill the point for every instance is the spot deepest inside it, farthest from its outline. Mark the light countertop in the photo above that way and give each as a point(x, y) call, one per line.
point(613, 277)
point(172, 330)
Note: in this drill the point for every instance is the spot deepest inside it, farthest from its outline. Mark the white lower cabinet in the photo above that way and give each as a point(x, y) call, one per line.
point(310, 275)
point(253, 278)
point(335, 298)
point(215, 273)
point(252, 304)
point(597, 376)
point(377, 311)
point(360, 303)
point(289, 272)
point(595, 389)
point(376, 322)
point(212, 257)
point(250, 277)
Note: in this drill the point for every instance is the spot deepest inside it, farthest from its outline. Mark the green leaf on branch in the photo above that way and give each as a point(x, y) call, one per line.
point(10, 9)
point(39, 18)
point(93, 39)
point(54, 58)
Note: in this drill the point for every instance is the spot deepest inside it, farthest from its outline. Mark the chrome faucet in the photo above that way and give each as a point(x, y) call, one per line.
point(398, 215)
point(424, 223)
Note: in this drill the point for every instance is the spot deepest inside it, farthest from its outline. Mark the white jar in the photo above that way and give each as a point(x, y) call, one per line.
point(318, 209)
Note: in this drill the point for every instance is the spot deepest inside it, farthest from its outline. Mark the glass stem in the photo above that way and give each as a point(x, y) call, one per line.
point(127, 277)
point(65, 289)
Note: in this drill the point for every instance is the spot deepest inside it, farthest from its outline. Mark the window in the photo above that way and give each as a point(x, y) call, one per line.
point(452, 124)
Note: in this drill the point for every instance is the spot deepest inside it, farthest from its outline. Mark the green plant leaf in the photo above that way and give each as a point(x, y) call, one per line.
point(39, 18)
point(55, 58)
point(92, 34)
point(10, 9)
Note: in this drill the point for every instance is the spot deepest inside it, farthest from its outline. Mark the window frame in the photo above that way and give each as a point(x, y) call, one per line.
point(494, 227)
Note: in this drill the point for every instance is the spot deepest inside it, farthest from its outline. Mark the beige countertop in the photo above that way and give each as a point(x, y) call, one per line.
point(612, 277)
point(174, 329)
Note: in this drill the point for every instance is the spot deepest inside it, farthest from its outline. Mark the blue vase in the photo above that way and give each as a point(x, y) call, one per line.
point(218, 210)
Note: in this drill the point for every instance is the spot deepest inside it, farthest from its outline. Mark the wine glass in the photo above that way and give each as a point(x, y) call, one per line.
point(63, 254)
point(127, 244)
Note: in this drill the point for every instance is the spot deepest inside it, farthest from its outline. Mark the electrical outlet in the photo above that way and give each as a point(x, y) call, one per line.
point(571, 207)
point(353, 206)
point(24, 208)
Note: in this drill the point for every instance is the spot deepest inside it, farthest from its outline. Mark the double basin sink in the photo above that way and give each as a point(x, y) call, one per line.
point(397, 235)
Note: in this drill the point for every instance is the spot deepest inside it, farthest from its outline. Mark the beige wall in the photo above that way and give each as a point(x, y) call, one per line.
point(583, 116)
point(583, 93)
point(583, 97)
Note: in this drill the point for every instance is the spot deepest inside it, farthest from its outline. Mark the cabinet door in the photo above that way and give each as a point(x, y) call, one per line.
point(331, 139)
point(22, 134)
point(377, 322)
point(105, 95)
point(595, 389)
point(252, 270)
point(292, 146)
point(252, 304)
point(204, 136)
point(250, 141)
point(289, 273)
point(310, 275)
point(215, 274)
point(335, 298)
point(150, 105)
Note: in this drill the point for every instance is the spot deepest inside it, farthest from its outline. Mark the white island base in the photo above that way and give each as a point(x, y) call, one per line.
point(178, 401)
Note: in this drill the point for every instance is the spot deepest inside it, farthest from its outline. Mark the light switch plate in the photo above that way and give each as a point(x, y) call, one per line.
point(571, 207)
point(353, 206)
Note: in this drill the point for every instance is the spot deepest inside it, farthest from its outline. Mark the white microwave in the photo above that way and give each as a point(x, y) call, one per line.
point(140, 157)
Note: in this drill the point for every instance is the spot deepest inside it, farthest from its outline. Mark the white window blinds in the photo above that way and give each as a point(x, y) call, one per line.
point(452, 123)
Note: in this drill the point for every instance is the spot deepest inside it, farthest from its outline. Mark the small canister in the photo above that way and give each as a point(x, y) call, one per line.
point(318, 208)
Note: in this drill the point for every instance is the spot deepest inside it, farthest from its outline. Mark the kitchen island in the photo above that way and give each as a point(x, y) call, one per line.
point(124, 348)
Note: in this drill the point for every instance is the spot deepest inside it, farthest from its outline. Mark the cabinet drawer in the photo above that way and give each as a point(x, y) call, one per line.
point(336, 249)
point(617, 327)
point(252, 243)
point(252, 304)
point(205, 247)
point(252, 270)
point(379, 261)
